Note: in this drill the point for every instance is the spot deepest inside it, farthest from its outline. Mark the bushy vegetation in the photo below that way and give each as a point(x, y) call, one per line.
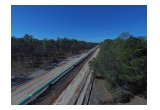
point(123, 63)
point(35, 52)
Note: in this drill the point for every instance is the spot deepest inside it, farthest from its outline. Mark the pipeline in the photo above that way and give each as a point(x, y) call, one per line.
point(53, 80)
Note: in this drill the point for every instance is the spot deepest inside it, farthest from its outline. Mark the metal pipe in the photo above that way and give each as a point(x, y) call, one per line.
point(27, 98)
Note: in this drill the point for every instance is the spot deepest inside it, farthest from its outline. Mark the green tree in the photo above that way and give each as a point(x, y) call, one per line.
point(133, 58)
point(123, 63)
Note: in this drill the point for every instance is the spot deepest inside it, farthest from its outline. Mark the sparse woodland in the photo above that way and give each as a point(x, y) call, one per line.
point(122, 62)
point(30, 52)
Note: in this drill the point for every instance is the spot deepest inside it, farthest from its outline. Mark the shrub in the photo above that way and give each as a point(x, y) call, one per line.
point(123, 64)
point(121, 95)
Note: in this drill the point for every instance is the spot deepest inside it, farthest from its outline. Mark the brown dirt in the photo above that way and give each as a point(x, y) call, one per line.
point(102, 96)
point(137, 100)
point(17, 69)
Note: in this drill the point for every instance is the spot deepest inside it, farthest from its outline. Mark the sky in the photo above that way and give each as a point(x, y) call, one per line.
point(89, 23)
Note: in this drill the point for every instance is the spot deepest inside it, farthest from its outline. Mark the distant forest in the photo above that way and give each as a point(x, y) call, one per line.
point(122, 62)
point(34, 52)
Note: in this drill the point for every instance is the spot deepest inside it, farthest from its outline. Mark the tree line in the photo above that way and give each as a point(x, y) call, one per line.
point(123, 63)
point(35, 52)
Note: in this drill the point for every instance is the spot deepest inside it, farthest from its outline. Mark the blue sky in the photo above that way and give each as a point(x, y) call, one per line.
point(89, 23)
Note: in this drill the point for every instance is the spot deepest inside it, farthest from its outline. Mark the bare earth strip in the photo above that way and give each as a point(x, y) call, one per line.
point(100, 94)
point(27, 88)
point(68, 94)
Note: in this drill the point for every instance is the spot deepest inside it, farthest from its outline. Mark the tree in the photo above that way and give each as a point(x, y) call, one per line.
point(123, 63)
point(34, 52)
point(133, 58)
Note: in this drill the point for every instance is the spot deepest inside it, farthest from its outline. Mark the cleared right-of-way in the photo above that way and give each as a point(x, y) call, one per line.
point(78, 91)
